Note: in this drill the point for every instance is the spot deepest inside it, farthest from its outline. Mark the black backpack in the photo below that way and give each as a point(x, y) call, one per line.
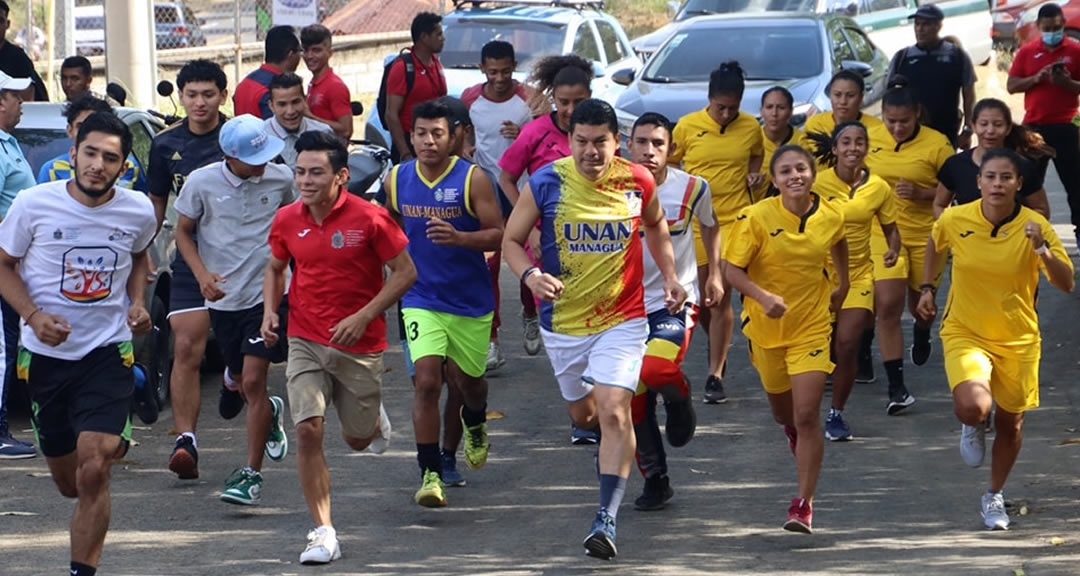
point(405, 56)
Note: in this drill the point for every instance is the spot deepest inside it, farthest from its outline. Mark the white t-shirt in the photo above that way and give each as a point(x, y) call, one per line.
point(76, 260)
point(683, 197)
point(487, 118)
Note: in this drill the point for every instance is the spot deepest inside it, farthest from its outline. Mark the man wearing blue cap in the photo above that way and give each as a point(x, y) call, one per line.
point(232, 204)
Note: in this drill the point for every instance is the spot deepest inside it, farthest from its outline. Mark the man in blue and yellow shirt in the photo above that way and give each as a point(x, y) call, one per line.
point(60, 168)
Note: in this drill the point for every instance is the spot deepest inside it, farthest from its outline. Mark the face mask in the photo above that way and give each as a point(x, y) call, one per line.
point(1053, 38)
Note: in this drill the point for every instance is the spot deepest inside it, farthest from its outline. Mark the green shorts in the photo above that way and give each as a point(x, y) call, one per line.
point(459, 338)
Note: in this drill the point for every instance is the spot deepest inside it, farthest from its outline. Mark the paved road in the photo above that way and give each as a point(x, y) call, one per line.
point(896, 500)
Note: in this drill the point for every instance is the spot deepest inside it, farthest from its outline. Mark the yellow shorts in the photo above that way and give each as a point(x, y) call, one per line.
point(776, 366)
point(1014, 382)
point(909, 264)
point(699, 241)
point(861, 293)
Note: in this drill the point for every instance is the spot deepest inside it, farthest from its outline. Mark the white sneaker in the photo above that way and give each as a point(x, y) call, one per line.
point(993, 511)
point(322, 546)
point(495, 358)
point(532, 335)
point(382, 441)
point(973, 445)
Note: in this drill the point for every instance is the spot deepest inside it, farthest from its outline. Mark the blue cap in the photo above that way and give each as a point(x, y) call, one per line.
point(928, 12)
point(246, 139)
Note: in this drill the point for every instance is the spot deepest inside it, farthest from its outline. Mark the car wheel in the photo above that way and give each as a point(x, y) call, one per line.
point(161, 350)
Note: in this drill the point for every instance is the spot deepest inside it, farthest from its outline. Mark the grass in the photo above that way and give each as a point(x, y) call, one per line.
point(638, 17)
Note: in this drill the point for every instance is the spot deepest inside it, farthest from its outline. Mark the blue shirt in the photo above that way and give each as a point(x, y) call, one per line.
point(15, 172)
point(59, 168)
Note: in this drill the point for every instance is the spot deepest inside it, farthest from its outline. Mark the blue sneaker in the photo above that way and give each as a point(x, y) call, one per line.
point(836, 429)
point(14, 449)
point(581, 436)
point(601, 541)
point(450, 475)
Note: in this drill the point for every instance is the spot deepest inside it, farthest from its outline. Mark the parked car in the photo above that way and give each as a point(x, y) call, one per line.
point(1026, 29)
point(536, 29)
point(175, 26)
point(884, 21)
point(798, 51)
point(1005, 14)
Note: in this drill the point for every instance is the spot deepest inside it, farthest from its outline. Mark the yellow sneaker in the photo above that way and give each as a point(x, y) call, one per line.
point(430, 494)
point(476, 444)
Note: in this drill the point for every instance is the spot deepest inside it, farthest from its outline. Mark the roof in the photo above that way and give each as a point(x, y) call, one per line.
point(743, 18)
point(550, 14)
point(375, 16)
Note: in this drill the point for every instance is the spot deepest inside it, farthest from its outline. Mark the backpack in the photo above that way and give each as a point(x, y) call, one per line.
point(405, 56)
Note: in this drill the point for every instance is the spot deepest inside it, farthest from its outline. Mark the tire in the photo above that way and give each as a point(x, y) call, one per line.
point(159, 365)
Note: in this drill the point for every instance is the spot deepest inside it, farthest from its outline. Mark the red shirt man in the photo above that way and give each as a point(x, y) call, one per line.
point(1047, 102)
point(429, 83)
point(252, 95)
point(328, 97)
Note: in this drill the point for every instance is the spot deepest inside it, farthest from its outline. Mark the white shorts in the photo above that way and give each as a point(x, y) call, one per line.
point(611, 358)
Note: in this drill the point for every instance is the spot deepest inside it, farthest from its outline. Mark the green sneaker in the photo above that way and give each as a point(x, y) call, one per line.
point(277, 443)
point(243, 487)
point(476, 445)
point(430, 494)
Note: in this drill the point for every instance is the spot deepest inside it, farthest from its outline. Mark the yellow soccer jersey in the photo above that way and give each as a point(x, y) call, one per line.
point(795, 136)
point(871, 198)
point(824, 123)
point(917, 160)
point(995, 277)
point(785, 254)
point(720, 155)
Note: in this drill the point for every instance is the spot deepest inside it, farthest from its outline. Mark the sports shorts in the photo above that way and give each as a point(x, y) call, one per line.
point(612, 358)
point(776, 366)
point(1014, 381)
point(463, 339)
point(239, 334)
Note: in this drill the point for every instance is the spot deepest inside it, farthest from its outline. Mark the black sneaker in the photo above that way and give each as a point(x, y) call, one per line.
point(921, 346)
point(864, 371)
point(681, 422)
point(146, 406)
point(899, 400)
point(185, 459)
point(230, 403)
point(714, 391)
point(655, 495)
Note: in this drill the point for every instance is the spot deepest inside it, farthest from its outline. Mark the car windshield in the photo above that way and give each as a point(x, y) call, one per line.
point(704, 7)
point(531, 40)
point(40, 145)
point(776, 52)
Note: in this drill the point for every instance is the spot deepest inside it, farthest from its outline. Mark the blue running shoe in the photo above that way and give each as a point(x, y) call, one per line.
point(450, 475)
point(601, 541)
point(581, 436)
point(836, 429)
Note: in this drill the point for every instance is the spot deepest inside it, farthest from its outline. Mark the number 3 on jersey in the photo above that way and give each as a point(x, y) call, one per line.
point(414, 331)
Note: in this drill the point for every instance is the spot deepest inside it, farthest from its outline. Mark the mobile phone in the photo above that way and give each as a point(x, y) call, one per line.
point(1058, 66)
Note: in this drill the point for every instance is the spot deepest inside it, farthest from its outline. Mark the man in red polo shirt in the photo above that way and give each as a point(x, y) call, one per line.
point(336, 329)
point(328, 96)
point(1045, 70)
point(429, 82)
point(252, 95)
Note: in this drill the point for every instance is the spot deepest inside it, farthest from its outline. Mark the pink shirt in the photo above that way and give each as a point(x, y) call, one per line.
point(540, 143)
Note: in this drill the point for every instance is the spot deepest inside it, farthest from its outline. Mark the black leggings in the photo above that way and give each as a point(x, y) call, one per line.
point(1065, 139)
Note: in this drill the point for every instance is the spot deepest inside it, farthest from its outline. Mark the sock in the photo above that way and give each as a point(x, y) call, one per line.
point(448, 453)
point(473, 418)
point(229, 382)
point(835, 412)
point(191, 435)
point(427, 455)
point(992, 491)
point(867, 341)
point(80, 569)
point(894, 369)
point(922, 334)
point(612, 488)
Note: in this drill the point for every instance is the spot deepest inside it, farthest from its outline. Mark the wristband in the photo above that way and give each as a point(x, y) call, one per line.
point(36, 310)
point(930, 287)
point(1042, 250)
point(528, 271)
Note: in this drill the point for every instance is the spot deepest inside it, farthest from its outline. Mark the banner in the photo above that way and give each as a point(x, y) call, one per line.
point(297, 13)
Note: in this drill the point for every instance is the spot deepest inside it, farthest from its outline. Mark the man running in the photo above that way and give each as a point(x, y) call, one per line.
point(233, 204)
point(590, 207)
point(449, 213)
point(683, 198)
point(337, 333)
point(289, 120)
point(73, 264)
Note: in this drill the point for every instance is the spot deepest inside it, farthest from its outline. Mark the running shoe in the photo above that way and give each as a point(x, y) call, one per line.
point(714, 391)
point(381, 442)
point(792, 437)
point(864, 370)
point(184, 461)
point(973, 445)
point(146, 406)
point(476, 444)
point(533, 343)
point(450, 475)
point(230, 402)
point(277, 443)
point(836, 429)
point(582, 436)
point(600, 543)
point(430, 494)
point(243, 487)
point(495, 358)
point(12, 449)
point(681, 422)
point(993, 511)
point(655, 495)
point(899, 400)
point(799, 517)
point(322, 546)
point(921, 347)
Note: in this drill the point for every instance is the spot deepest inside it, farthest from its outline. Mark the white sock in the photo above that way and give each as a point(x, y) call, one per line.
point(229, 382)
point(194, 442)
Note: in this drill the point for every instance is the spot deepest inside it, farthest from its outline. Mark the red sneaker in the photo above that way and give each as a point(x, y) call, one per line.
point(792, 438)
point(799, 517)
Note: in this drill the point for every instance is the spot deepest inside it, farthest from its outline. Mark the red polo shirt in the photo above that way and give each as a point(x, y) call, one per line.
point(328, 97)
point(1047, 103)
point(429, 83)
point(339, 266)
point(252, 95)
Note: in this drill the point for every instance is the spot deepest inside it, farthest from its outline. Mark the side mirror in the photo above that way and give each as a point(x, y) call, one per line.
point(357, 108)
point(623, 77)
point(861, 68)
point(116, 92)
point(598, 70)
point(164, 88)
point(673, 8)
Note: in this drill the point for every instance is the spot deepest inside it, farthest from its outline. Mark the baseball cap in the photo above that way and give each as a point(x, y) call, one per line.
point(9, 83)
point(458, 110)
point(928, 12)
point(246, 139)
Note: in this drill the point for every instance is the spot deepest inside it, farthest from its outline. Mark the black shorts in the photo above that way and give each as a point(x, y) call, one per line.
point(75, 396)
point(184, 292)
point(238, 334)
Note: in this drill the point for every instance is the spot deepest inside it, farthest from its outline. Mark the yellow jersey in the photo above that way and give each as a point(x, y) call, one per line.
point(917, 160)
point(795, 136)
point(721, 155)
point(824, 123)
point(995, 277)
point(871, 197)
point(785, 255)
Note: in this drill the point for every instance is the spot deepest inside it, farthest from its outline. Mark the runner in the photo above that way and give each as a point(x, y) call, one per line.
point(777, 107)
point(77, 358)
point(289, 122)
point(176, 152)
point(958, 178)
point(233, 203)
point(864, 199)
point(909, 157)
point(449, 213)
point(59, 168)
point(684, 198)
point(590, 207)
point(774, 256)
point(337, 332)
point(726, 148)
point(992, 352)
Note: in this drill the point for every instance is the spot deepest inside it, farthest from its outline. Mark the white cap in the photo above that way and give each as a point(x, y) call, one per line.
point(17, 84)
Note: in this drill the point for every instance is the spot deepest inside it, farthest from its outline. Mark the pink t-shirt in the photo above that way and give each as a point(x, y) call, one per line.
point(540, 143)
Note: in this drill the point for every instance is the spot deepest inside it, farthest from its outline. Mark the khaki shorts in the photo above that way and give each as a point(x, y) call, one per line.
point(776, 366)
point(318, 375)
point(1014, 382)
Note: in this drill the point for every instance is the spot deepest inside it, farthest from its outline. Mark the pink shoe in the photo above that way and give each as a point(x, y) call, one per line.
point(799, 517)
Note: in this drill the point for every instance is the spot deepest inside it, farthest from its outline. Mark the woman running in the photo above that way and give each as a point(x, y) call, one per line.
point(774, 256)
point(866, 201)
point(990, 330)
point(777, 106)
point(724, 146)
point(845, 91)
point(958, 179)
point(908, 156)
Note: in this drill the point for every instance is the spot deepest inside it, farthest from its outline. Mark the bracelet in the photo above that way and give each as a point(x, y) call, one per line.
point(930, 287)
point(1042, 250)
point(528, 271)
point(36, 310)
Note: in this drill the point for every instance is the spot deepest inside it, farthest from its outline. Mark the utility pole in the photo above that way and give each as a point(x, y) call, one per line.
point(129, 48)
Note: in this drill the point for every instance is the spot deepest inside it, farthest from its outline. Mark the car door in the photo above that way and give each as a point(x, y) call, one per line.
point(865, 52)
point(587, 45)
point(616, 54)
point(844, 51)
point(886, 23)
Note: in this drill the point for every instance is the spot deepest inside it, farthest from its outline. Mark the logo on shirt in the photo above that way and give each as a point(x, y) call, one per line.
point(777, 233)
point(176, 156)
point(966, 234)
point(58, 234)
point(304, 233)
point(741, 217)
point(702, 133)
point(633, 203)
point(816, 353)
point(447, 195)
point(597, 238)
point(337, 241)
point(118, 234)
point(876, 150)
point(88, 274)
point(865, 293)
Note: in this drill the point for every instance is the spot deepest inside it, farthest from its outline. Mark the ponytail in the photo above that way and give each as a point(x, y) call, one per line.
point(727, 79)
